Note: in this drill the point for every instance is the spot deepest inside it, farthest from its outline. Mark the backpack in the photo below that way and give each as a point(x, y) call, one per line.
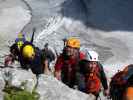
point(117, 86)
point(120, 82)
point(117, 79)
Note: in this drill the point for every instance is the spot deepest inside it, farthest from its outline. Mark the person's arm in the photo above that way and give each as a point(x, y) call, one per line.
point(9, 60)
point(103, 80)
point(57, 74)
point(58, 65)
point(103, 77)
point(45, 63)
point(46, 69)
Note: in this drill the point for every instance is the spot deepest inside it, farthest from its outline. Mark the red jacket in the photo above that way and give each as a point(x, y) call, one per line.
point(68, 67)
point(60, 61)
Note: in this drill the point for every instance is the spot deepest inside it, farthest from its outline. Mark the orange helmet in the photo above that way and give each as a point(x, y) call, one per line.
point(73, 42)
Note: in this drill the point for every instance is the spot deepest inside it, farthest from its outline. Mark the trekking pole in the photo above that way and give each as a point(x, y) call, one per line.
point(37, 77)
point(64, 40)
point(32, 38)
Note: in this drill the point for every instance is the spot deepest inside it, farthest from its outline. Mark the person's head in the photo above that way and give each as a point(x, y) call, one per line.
point(20, 40)
point(20, 35)
point(92, 58)
point(72, 46)
point(28, 52)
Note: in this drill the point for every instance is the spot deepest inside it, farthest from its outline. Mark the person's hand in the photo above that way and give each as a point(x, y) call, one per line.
point(106, 92)
point(57, 74)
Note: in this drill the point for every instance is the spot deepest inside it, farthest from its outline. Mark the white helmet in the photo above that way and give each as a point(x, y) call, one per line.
point(91, 56)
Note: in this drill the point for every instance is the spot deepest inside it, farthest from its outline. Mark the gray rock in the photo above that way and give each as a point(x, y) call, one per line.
point(55, 90)
point(48, 87)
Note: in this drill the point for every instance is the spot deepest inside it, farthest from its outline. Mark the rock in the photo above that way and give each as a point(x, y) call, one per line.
point(16, 77)
point(55, 90)
point(48, 87)
point(2, 84)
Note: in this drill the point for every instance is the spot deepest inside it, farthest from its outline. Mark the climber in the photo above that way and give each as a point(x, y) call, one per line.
point(67, 63)
point(120, 82)
point(15, 50)
point(94, 74)
point(49, 54)
point(31, 58)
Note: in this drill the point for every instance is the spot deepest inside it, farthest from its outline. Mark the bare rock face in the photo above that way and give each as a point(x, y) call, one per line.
point(55, 90)
point(2, 83)
point(48, 87)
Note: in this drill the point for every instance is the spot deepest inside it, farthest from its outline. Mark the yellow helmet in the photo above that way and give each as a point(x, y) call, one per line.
point(73, 42)
point(28, 51)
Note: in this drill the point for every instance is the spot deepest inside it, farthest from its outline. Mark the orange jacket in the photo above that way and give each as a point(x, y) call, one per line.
point(92, 80)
